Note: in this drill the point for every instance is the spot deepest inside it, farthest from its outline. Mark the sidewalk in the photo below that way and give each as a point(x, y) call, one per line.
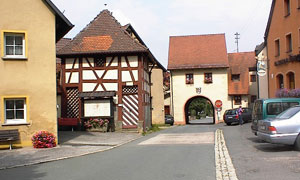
point(71, 144)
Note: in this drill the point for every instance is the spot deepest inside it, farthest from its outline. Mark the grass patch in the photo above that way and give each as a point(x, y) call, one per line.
point(155, 128)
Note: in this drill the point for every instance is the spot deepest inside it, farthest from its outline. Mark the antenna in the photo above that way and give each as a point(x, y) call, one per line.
point(105, 4)
point(237, 40)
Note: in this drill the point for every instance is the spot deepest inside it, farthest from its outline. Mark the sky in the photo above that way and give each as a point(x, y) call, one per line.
point(156, 20)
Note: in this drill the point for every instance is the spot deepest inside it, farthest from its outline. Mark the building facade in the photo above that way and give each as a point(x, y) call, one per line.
point(242, 79)
point(282, 38)
point(262, 71)
point(27, 66)
point(106, 74)
point(198, 65)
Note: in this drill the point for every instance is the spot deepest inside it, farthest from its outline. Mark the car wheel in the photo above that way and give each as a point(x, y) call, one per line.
point(228, 124)
point(297, 143)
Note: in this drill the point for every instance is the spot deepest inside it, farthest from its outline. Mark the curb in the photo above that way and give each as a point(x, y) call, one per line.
point(224, 166)
point(68, 157)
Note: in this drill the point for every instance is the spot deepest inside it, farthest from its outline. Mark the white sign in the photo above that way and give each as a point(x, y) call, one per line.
point(261, 68)
point(94, 108)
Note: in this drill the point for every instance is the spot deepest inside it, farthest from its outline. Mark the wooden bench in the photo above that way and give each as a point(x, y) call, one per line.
point(68, 122)
point(9, 136)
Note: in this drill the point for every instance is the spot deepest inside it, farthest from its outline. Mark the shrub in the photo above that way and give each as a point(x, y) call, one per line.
point(43, 139)
point(95, 123)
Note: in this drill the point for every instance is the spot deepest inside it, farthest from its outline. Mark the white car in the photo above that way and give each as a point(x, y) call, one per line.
point(284, 129)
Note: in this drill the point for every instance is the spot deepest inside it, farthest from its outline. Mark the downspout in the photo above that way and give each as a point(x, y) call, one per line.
point(172, 103)
point(150, 83)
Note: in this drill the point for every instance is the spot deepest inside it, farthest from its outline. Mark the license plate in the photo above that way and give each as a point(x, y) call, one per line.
point(263, 127)
point(229, 117)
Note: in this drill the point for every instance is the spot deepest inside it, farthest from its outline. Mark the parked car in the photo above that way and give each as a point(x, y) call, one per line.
point(284, 129)
point(169, 119)
point(232, 116)
point(270, 108)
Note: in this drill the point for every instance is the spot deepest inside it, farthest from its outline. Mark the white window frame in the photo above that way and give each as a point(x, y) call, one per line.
point(23, 45)
point(15, 121)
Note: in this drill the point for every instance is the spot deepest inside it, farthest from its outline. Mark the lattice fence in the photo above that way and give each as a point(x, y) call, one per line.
point(72, 103)
point(99, 61)
point(130, 89)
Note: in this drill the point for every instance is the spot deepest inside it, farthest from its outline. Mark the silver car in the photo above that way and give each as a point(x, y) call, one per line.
point(284, 129)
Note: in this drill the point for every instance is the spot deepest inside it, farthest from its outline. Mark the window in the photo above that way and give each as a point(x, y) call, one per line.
point(253, 78)
point(207, 77)
point(277, 47)
point(291, 80)
point(298, 4)
point(280, 81)
point(14, 45)
point(235, 77)
point(288, 40)
point(287, 8)
point(15, 111)
point(100, 61)
point(253, 98)
point(189, 79)
point(237, 100)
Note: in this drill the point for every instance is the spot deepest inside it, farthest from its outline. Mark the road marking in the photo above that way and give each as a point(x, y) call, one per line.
point(224, 167)
point(183, 138)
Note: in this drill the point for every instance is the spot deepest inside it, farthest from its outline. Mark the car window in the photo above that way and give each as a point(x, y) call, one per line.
point(274, 108)
point(245, 110)
point(286, 105)
point(288, 113)
point(257, 108)
point(231, 112)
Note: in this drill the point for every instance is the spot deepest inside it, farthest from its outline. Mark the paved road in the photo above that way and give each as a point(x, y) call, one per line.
point(254, 159)
point(184, 152)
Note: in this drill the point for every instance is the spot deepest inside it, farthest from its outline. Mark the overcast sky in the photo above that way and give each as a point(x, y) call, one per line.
point(156, 20)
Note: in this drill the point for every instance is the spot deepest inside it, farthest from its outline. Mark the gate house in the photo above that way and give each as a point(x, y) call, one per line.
point(198, 65)
point(105, 73)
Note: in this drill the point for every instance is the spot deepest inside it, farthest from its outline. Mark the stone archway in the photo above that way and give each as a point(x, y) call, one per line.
point(188, 113)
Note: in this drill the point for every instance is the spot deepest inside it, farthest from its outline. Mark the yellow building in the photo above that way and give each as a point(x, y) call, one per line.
point(29, 30)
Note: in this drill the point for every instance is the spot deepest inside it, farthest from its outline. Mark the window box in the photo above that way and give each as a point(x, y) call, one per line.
point(208, 78)
point(189, 79)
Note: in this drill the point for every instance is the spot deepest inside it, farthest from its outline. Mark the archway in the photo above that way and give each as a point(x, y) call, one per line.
point(199, 110)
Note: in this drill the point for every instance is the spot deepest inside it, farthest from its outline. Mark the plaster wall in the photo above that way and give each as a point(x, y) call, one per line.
point(182, 92)
point(157, 94)
point(35, 77)
point(282, 25)
point(263, 80)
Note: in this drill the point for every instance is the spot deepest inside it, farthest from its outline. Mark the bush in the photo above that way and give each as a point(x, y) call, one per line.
point(43, 139)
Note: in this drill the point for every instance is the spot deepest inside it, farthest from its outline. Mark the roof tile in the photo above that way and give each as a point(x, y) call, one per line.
point(197, 51)
point(102, 35)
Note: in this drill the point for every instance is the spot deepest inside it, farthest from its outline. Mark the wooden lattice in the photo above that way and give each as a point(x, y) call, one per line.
point(72, 103)
point(99, 61)
point(130, 89)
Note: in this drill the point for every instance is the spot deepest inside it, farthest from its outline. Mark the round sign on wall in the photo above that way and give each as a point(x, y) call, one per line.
point(218, 103)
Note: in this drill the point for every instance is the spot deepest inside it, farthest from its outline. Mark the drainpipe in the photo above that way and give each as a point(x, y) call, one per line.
point(172, 100)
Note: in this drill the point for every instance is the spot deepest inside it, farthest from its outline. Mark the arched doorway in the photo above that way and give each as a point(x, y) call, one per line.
point(199, 110)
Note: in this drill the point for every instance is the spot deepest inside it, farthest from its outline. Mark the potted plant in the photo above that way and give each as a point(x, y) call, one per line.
point(43, 139)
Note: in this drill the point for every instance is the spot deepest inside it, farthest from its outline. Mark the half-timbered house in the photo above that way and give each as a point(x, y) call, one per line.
point(106, 74)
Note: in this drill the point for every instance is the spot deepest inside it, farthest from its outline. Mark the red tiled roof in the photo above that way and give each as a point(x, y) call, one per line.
point(102, 35)
point(197, 51)
point(239, 63)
